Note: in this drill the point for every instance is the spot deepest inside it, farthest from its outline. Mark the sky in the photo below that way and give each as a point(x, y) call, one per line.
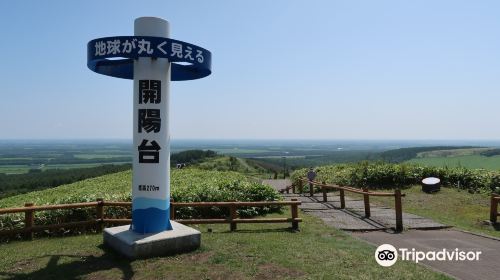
point(281, 69)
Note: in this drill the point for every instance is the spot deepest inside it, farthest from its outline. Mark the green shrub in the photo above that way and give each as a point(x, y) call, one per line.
point(386, 175)
point(187, 185)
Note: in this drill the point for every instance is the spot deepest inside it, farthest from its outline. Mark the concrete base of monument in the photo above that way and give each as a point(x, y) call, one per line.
point(180, 239)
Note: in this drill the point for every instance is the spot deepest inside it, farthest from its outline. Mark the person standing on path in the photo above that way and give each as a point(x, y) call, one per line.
point(311, 175)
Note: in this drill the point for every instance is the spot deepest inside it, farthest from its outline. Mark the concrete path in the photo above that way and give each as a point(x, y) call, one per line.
point(375, 230)
point(277, 184)
point(487, 267)
point(352, 218)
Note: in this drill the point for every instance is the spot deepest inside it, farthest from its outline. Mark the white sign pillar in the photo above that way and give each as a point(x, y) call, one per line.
point(152, 60)
point(151, 137)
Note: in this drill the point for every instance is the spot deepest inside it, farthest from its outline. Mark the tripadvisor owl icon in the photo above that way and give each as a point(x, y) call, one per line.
point(386, 255)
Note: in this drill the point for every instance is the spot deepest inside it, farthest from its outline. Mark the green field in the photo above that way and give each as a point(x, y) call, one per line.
point(225, 163)
point(14, 169)
point(468, 161)
point(21, 157)
point(238, 151)
point(21, 169)
point(254, 251)
point(97, 156)
point(186, 185)
point(452, 152)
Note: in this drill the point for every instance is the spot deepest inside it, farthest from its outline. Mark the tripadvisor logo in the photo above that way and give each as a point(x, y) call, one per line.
point(387, 255)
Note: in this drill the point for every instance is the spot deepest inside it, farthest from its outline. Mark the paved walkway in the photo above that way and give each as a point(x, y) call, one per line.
point(488, 266)
point(352, 218)
point(375, 231)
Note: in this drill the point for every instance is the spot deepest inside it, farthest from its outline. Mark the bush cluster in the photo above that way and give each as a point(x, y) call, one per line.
point(387, 175)
point(187, 185)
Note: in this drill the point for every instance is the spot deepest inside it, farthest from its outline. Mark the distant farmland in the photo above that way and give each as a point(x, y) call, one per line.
point(468, 161)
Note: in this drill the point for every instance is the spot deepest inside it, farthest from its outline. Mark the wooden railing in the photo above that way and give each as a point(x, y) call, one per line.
point(366, 197)
point(495, 199)
point(30, 228)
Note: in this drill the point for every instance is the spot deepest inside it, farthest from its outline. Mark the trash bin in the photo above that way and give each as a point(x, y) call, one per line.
point(431, 184)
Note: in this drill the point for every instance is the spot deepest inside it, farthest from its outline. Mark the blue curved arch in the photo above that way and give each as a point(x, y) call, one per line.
point(193, 63)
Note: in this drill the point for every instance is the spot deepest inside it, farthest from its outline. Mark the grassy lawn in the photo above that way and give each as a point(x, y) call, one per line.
point(261, 251)
point(448, 206)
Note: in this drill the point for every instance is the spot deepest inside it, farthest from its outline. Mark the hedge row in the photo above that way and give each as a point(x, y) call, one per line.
point(386, 175)
point(187, 185)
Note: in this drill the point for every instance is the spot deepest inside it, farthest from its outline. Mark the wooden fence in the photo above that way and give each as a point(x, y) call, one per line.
point(366, 197)
point(29, 210)
point(495, 199)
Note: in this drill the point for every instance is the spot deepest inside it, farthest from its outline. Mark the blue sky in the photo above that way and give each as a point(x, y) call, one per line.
point(281, 69)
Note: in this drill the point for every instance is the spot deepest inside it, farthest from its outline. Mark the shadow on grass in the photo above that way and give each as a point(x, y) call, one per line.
point(496, 226)
point(81, 265)
point(261, 230)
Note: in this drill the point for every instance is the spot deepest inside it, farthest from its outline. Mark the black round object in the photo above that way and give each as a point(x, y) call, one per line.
point(431, 184)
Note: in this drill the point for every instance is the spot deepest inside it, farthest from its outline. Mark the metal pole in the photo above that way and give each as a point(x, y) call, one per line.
point(151, 161)
point(284, 167)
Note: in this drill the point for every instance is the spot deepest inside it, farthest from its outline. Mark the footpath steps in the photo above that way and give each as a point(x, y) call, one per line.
point(352, 218)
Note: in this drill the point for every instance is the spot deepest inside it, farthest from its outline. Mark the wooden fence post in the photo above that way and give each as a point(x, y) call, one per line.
point(287, 188)
point(100, 214)
point(29, 221)
point(366, 198)
point(493, 208)
point(293, 188)
point(342, 199)
point(172, 209)
point(295, 215)
point(323, 190)
point(301, 186)
point(232, 217)
point(399, 210)
point(311, 189)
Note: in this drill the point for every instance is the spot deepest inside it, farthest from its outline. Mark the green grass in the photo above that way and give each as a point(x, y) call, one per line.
point(449, 206)
point(190, 183)
point(468, 161)
point(259, 251)
point(223, 163)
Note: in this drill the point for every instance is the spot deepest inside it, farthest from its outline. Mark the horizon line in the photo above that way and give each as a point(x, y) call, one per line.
point(257, 139)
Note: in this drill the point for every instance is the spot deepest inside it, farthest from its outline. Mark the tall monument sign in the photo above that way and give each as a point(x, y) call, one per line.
point(152, 60)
